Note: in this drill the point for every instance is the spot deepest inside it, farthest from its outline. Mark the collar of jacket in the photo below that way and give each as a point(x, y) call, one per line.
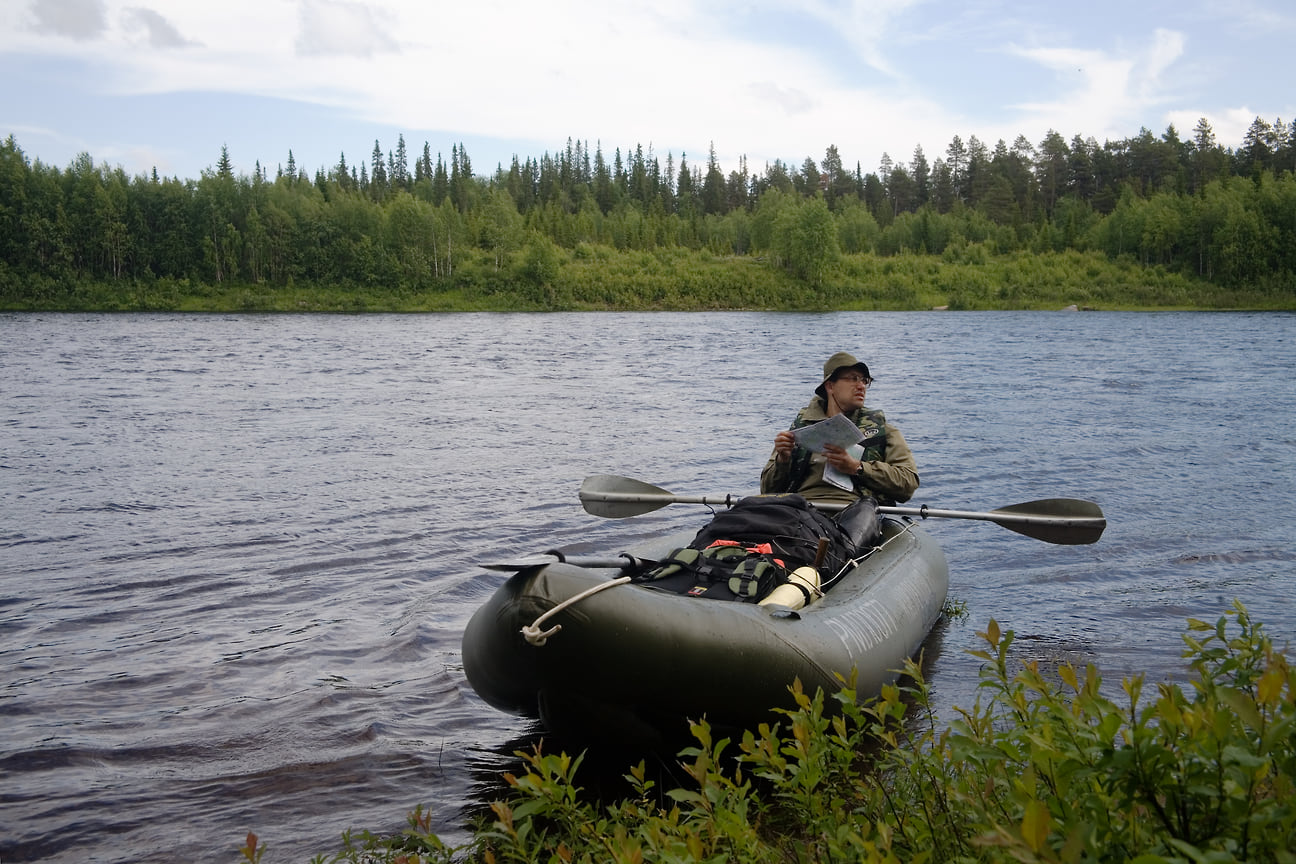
point(817, 410)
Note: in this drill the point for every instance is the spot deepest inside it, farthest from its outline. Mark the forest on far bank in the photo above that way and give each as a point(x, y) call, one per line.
point(1159, 220)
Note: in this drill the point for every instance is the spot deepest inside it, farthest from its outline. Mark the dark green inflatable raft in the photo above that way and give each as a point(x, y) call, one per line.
point(636, 661)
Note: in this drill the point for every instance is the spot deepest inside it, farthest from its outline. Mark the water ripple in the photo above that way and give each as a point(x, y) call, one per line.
point(240, 551)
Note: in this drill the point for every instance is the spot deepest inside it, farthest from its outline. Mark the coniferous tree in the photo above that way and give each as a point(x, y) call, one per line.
point(400, 174)
point(224, 167)
point(1143, 158)
point(810, 179)
point(423, 165)
point(685, 193)
point(1051, 166)
point(620, 179)
point(921, 173)
point(777, 176)
point(738, 187)
point(1257, 148)
point(461, 179)
point(977, 172)
point(942, 186)
point(1019, 168)
point(1080, 173)
point(440, 182)
point(637, 181)
point(652, 178)
point(603, 189)
point(956, 156)
point(465, 164)
point(1175, 151)
point(838, 185)
point(342, 174)
point(713, 186)
point(875, 199)
point(903, 190)
point(378, 177)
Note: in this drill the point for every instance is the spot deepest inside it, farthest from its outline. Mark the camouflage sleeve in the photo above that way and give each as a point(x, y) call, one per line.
point(897, 476)
point(775, 476)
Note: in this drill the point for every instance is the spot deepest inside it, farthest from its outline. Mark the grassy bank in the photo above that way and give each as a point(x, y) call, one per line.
point(601, 278)
point(1046, 767)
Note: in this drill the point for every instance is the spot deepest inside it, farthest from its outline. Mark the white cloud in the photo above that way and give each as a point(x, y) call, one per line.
point(1253, 14)
point(790, 100)
point(1166, 49)
point(1102, 94)
point(867, 27)
point(669, 73)
point(158, 31)
point(75, 19)
point(340, 27)
point(762, 78)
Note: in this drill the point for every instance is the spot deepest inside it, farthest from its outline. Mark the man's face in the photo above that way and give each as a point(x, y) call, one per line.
point(848, 389)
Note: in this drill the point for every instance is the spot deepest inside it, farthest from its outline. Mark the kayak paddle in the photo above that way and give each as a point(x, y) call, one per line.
point(1065, 521)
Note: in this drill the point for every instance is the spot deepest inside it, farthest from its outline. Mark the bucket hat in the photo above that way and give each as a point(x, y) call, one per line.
point(837, 362)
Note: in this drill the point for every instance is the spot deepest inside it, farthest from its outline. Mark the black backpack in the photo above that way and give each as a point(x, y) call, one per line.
point(746, 551)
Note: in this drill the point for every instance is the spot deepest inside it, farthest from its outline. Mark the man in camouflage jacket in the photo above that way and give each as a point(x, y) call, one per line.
point(885, 471)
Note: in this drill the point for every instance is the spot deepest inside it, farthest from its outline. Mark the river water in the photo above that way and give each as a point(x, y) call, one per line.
point(238, 552)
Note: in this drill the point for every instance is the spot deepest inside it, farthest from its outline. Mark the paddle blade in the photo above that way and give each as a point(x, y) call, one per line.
point(526, 563)
point(623, 561)
point(1065, 521)
point(615, 497)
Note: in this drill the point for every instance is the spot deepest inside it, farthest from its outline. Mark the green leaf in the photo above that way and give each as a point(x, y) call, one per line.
point(1036, 824)
point(1244, 758)
point(1243, 705)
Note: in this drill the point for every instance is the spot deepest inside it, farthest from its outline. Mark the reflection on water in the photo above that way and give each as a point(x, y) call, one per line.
point(239, 551)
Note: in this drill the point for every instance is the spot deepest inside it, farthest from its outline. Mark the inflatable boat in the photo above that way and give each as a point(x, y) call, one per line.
point(581, 644)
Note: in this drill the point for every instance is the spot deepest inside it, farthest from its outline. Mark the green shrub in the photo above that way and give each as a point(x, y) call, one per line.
point(1045, 767)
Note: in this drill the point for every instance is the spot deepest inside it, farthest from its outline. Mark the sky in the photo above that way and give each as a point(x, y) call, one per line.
point(164, 84)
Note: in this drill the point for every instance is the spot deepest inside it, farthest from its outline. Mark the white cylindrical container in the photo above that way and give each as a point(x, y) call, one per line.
point(801, 589)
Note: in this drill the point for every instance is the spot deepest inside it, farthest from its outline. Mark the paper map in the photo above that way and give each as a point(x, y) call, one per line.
point(836, 430)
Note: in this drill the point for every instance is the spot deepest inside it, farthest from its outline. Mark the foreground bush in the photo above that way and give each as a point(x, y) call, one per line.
point(1045, 767)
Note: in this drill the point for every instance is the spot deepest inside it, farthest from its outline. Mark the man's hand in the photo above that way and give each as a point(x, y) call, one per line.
point(783, 444)
point(841, 460)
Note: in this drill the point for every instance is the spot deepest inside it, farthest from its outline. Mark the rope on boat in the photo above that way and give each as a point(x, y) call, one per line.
point(534, 635)
point(857, 561)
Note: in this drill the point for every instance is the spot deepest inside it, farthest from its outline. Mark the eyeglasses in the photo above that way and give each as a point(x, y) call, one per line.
point(855, 379)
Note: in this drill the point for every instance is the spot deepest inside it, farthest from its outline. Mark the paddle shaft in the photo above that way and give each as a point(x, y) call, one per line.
point(1066, 521)
point(594, 562)
point(923, 512)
